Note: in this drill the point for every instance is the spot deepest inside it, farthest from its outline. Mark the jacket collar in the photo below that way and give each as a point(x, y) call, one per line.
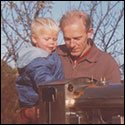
point(90, 57)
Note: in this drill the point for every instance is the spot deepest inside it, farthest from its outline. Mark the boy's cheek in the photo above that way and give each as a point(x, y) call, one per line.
point(50, 49)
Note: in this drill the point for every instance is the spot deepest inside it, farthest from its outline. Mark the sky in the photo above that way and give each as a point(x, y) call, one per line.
point(58, 9)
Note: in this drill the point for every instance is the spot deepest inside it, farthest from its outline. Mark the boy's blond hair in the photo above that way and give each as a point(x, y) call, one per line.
point(42, 22)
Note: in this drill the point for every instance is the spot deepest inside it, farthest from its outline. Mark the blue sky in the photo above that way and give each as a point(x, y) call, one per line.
point(61, 7)
point(58, 9)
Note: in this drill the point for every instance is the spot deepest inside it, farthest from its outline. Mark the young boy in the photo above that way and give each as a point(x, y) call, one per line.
point(38, 63)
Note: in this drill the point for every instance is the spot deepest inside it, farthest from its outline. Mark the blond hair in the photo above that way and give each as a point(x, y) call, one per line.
point(75, 14)
point(42, 22)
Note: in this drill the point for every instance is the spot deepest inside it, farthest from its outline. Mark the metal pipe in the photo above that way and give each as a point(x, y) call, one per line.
point(49, 113)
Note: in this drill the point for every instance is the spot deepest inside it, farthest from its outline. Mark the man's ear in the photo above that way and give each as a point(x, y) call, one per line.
point(90, 32)
point(33, 38)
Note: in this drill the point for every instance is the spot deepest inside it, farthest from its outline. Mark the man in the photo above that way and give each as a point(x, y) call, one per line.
point(79, 55)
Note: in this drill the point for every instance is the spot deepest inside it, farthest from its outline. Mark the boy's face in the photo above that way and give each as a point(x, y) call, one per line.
point(45, 39)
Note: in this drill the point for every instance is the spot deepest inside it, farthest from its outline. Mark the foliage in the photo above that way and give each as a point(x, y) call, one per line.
point(9, 101)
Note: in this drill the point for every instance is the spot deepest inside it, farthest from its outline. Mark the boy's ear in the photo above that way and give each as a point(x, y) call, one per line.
point(33, 38)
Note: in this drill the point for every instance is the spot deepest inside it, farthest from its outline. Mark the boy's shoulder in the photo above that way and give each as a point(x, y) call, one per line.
point(28, 54)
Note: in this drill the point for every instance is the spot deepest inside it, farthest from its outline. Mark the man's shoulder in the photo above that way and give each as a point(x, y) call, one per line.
point(106, 57)
point(110, 58)
point(100, 55)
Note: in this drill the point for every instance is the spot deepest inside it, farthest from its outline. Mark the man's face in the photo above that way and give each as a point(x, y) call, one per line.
point(45, 39)
point(76, 36)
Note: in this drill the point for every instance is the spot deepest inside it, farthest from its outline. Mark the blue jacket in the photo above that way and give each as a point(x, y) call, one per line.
point(35, 65)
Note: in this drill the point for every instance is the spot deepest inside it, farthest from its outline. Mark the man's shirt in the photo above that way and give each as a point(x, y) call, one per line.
point(95, 64)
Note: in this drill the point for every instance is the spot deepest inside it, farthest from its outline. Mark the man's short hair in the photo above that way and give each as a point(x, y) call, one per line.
point(69, 17)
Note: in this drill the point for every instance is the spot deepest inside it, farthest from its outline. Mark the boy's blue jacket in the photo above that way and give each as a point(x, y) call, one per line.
point(35, 65)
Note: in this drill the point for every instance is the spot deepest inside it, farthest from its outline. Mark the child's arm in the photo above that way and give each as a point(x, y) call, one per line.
point(39, 71)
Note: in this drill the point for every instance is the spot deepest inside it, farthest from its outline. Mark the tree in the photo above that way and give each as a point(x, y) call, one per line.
point(107, 18)
point(108, 24)
point(16, 17)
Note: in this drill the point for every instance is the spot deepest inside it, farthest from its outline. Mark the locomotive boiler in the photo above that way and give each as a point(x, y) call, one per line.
point(81, 101)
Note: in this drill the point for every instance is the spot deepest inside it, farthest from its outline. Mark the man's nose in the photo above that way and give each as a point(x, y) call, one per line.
point(72, 43)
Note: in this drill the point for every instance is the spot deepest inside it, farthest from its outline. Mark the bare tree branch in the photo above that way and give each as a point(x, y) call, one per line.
point(16, 19)
point(115, 27)
point(107, 17)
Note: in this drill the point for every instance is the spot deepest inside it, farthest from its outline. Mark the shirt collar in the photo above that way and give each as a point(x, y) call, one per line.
point(90, 57)
point(82, 57)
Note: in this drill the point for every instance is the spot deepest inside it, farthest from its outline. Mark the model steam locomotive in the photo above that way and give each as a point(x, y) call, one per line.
point(81, 101)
